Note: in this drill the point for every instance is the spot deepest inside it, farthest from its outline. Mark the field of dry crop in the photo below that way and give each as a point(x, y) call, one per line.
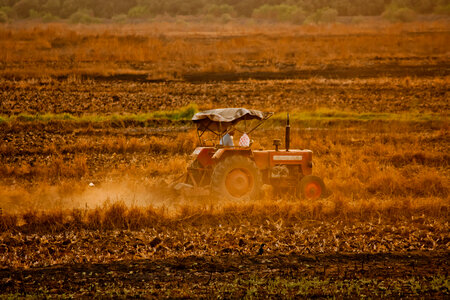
point(110, 105)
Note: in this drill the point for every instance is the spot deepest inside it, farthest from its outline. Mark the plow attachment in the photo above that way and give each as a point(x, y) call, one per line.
point(188, 190)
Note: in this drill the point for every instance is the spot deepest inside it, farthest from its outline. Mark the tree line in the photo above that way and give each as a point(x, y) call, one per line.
point(295, 11)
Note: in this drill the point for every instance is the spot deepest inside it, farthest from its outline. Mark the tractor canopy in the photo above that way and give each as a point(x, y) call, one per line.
point(220, 120)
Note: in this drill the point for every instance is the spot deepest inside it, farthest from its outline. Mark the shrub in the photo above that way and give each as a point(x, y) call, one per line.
point(323, 15)
point(10, 13)
point(420, 6)
point(23, 7)
point(122, 18)
point(442, 9)
point(396, 13)
point(70, 7)
point(219, 10)
point(280, 13)
point(358, 19)
point(3, 17)
point(48, 17)
point(265, 12)
point(83, 16)
point(298, 16)
point(226, 18)
point(138, 12)
point(34, 14)
point(52, 7)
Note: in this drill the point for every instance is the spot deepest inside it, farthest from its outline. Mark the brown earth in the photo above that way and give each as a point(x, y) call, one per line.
point(235, 276)
point(328, 72)
point(381, 94)
point(395, 257)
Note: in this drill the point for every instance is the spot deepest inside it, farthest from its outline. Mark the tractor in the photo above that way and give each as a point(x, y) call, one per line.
point(239, 172)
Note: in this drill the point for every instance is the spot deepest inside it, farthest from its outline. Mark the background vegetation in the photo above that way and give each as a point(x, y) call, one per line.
point(198, 52)
point(295, 11)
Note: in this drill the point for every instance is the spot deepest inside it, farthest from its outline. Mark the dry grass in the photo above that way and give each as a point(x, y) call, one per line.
point(120, 216)
point(168, 53)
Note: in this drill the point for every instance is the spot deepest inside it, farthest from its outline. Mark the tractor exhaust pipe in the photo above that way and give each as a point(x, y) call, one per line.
point(288, 133)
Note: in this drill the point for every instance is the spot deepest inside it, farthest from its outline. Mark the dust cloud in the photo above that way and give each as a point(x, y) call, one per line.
point(85, 195)
point(132, 192)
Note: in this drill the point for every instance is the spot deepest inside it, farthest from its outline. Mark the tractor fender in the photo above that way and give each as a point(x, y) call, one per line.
point(224, 152)
point(203, 155)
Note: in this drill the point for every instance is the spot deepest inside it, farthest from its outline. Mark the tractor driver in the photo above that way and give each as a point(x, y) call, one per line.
point(227, 139)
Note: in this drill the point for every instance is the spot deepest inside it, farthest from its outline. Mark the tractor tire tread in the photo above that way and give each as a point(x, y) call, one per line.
point(217, 177)
point(308, 178)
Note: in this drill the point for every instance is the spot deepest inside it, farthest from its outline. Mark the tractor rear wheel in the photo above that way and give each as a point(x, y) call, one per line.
point(311, 187)
point(236, 178)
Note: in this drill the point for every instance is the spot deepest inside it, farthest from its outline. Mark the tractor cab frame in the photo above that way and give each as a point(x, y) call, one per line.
point(220, 122)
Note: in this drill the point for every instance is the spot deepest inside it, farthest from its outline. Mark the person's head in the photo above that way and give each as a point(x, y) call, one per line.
point(231, 132)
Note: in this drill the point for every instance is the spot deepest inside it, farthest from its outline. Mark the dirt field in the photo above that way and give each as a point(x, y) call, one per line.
point(374, 109)
point(368, 275)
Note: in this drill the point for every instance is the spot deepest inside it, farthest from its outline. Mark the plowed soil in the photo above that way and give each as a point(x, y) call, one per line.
point(378, 94)
point(236, 276)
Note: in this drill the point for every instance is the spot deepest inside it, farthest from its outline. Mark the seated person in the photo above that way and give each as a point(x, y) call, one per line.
point(244, 141)
point(227, 139)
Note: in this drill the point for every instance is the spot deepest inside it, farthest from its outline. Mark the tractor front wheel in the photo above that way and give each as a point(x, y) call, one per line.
point(311, 187)
point(236, 178)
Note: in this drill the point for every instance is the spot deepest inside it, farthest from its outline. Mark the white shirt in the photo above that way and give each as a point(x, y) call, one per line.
point(227, 140)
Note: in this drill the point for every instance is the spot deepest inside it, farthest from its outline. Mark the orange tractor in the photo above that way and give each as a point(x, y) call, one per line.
point(238, 172)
